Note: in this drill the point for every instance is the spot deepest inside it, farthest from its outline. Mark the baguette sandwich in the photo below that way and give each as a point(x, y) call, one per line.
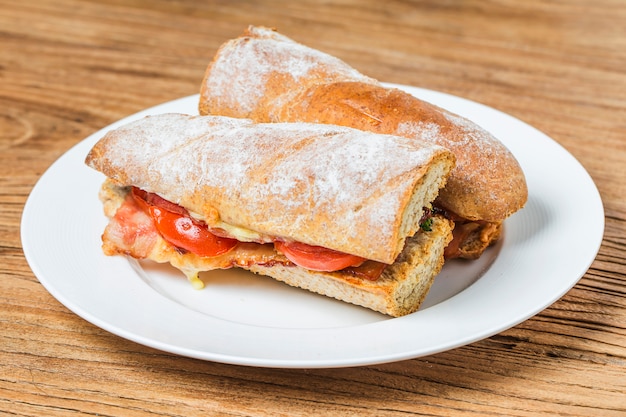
point(330, 209)
point(267, 77)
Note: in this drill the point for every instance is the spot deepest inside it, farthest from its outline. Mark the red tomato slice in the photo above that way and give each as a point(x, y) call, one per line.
point(183, 232)
point(317, 258)
point(174, 224)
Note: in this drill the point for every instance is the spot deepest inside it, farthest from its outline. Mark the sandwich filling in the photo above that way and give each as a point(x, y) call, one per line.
point(145, 226)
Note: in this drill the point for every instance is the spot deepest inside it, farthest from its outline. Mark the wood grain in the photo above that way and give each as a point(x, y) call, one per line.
point(69, 68)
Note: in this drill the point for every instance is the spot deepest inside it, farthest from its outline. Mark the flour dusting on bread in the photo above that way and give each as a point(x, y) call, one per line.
point(248, 65)
point(337, 187)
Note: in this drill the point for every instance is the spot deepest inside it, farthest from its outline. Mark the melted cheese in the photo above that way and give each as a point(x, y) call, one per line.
point(242, 234)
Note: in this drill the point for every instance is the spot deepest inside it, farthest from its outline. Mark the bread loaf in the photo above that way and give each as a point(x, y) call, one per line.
point(336, 187)
point(265, 76)
point(262, 185)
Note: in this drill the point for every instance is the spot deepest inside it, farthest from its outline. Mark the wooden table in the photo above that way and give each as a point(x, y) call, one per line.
point(69, 68)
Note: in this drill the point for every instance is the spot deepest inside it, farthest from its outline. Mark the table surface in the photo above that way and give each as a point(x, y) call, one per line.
point(69, 68)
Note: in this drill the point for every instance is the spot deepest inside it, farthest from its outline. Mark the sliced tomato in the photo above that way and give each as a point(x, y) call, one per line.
point(317, 258)
point(174, 224)
point(181, 231)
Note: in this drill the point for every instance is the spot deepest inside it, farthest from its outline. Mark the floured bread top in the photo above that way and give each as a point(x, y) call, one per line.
point(324, 185)
point(264, 68)
point(268, 77)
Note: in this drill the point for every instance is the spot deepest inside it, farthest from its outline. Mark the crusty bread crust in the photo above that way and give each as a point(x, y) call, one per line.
point(331, 186)
point(399, 291)
point(268, 77)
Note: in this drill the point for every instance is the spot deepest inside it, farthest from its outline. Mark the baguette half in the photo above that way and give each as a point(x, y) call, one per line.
point(266, 76)
point(398, 291)
point(321, 185)
point(330, 186)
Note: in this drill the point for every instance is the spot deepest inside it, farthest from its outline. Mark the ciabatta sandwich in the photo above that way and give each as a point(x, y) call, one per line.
point(267, 77)
point(334, 210)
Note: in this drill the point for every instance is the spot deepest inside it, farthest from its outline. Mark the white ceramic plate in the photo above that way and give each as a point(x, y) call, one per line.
point(245, 319)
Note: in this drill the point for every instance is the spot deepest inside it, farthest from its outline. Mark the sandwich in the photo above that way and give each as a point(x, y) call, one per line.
point(267, 77)
point(331, 209)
